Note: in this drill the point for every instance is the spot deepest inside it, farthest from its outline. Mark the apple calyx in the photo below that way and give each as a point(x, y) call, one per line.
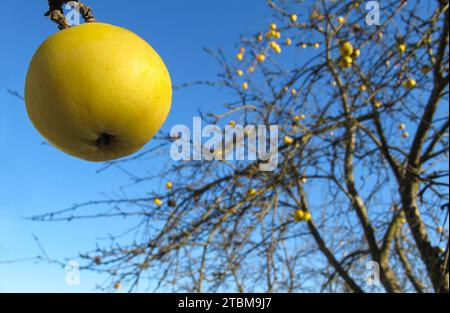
point(105, 140)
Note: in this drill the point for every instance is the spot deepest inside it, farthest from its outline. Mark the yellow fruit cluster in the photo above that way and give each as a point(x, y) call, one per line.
point(273, 34)
point(301, 216)
point(346, 49)
point(348, 53)
point(276, 47)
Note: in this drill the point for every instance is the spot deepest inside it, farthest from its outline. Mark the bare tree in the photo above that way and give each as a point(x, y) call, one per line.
point(365, 153)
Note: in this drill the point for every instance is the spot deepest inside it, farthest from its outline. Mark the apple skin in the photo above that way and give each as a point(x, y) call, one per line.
point(97, 91)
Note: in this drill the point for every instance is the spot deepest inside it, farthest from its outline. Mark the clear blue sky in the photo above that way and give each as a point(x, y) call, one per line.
point(36, 178)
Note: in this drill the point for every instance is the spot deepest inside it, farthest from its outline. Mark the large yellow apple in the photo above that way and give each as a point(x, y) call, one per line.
point(97, 91)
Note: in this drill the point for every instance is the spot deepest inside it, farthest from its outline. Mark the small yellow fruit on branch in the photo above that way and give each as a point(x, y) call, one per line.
point(276, 47)
point(425, 69)
point(260, 58)
point(401, 48)
point(307, 217)
point(293, 18)
point(300, 117)
point(380, 36)
point(288, 140)
point(346, 49)
point(299, 215)
point(346, 62)
point(410, 83)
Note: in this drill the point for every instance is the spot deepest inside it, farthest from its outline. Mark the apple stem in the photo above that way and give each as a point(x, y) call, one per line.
point(56, 12)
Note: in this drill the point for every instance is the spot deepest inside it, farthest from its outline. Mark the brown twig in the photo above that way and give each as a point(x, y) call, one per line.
point(56, 12)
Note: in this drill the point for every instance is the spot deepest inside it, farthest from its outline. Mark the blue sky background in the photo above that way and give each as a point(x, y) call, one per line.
point(35, 178)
